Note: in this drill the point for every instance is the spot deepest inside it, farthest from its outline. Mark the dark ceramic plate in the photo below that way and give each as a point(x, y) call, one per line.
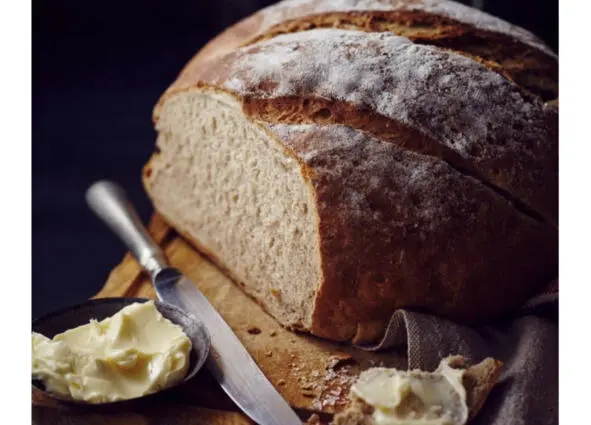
point(99, 309)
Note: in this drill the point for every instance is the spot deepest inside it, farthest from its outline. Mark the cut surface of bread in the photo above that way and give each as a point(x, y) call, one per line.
point(243, 196)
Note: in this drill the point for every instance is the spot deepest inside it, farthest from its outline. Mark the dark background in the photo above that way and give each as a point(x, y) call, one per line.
point(98, 69)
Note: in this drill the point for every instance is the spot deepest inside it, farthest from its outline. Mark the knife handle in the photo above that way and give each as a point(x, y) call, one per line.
point(110, 203)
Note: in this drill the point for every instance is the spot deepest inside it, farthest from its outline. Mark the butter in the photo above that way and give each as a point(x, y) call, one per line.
point(414, 397)
point(135, 352)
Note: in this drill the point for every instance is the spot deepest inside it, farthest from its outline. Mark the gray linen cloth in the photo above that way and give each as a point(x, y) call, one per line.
point(527, 343)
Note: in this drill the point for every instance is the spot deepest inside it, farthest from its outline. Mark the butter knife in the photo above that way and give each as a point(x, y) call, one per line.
point(229, 362)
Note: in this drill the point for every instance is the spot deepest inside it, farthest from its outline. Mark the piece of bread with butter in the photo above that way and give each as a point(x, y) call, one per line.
point(343, 159)
point(451, 395)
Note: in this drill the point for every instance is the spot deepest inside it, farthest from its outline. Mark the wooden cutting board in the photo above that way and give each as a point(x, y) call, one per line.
point(313, 375)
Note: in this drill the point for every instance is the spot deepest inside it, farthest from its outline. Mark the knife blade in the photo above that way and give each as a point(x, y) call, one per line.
point(229, 362)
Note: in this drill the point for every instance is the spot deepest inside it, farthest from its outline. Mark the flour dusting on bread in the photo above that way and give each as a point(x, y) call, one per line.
point(291, 9)
point(463, 107)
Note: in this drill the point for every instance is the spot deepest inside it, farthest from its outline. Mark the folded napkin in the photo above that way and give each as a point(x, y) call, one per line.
point(527, 343)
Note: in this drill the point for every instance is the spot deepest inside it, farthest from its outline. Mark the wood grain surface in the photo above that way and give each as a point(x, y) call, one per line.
point(313, 375)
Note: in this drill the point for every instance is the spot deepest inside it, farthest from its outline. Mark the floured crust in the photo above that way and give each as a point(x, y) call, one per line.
point(294, 9)
point(446, 104)
point(511, 50)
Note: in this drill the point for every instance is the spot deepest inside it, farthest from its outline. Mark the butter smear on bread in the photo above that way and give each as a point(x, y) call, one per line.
point(414, 397)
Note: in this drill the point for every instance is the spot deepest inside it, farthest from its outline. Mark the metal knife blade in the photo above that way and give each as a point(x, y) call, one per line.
point(229, 362)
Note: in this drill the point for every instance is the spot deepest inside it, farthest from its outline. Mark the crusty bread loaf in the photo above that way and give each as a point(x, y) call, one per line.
point(340, 173)
point(478, 381)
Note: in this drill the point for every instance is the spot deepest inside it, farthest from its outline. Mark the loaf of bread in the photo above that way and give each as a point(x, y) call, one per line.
point(341, 159)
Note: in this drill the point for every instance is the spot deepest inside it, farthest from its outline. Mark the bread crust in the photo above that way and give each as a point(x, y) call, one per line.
point(533, 69)
point(378, 257)
point(516, 53)
point(491, 237)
